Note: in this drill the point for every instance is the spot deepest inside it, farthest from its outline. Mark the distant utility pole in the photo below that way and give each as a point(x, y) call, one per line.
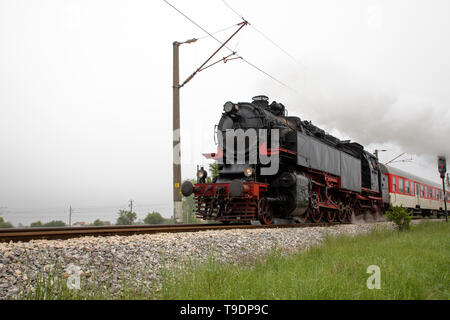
point(177, 204)
point(131, 205)
point(376, 152)
point(70, 216)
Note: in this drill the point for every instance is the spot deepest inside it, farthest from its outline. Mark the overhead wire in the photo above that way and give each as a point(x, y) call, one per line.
point(242, 58)
point(218, 31)
point(265, 36)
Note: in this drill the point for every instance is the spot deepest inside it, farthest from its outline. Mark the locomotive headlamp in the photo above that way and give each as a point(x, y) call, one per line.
point(248, 172)
point(228, 107)
point(201, 173)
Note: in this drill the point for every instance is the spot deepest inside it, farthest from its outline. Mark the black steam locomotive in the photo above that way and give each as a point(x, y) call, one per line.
point(278, 166)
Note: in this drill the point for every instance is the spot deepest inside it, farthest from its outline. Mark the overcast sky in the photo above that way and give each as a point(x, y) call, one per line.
point(86, 98)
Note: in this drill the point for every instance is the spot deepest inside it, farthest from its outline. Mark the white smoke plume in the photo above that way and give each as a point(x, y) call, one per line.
point(368, 111)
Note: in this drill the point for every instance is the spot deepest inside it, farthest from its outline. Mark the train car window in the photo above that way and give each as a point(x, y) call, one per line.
point(406, 186)
point(434, 193)
point(400, 185)
point(412, 187)
point(394, 184)
point(421, 191)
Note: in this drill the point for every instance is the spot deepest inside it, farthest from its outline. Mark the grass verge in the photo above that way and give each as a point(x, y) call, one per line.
point(413, 264)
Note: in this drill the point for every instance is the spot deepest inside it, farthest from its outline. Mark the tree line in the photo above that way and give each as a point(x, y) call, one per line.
point(127, 217)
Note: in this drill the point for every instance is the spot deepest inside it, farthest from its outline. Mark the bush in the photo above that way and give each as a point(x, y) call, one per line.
point(98, 222)
point(155, 218)
point(53, 223)
point(400, 216)
point(37, 224)
point(4, 224)
point(126, 217)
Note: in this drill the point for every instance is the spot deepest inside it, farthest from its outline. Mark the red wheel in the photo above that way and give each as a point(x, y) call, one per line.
point(348, 216)
point(376, 215)
point(357, 210)
point(316, 215)
point(344, 215)
point(265, 214)
point(304, 218)
point(331, 215)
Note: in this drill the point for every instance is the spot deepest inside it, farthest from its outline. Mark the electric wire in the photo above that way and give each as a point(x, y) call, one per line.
point(244, 60)
point(265, 36)
point(218, 31)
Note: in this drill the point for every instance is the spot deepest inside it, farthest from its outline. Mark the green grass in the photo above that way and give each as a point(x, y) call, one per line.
point(414, 265)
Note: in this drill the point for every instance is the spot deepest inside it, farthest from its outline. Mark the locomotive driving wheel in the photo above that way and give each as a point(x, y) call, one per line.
point(265, 213)
point(316, 215)
point(358, 211)
point(375, 214)
point(331, 215)
point(344, 215)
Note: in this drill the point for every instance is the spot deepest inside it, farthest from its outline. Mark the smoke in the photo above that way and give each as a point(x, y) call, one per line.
point(368, 111)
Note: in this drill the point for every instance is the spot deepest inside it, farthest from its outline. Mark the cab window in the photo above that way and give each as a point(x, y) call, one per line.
point(394, 184)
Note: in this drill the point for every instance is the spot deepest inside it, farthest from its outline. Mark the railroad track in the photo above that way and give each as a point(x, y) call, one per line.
point(27, 234)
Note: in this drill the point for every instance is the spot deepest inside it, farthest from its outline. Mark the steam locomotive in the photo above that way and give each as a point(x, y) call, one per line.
point(275, 166)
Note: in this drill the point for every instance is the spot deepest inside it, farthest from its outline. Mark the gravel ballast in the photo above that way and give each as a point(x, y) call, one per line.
point(141, 258)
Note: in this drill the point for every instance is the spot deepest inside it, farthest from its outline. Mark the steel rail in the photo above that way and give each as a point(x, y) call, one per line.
point(28, 234)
